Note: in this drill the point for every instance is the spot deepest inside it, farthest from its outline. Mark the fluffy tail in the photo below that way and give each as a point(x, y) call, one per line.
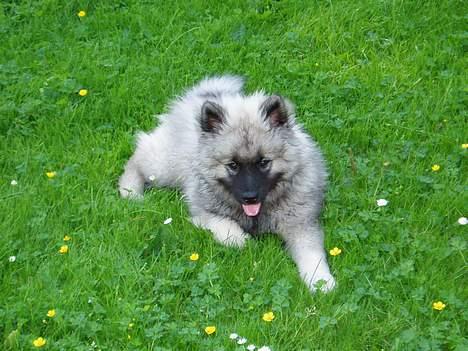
point(218, 85)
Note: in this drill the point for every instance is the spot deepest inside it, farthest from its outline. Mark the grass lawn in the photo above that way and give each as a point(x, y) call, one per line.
point(381, 85)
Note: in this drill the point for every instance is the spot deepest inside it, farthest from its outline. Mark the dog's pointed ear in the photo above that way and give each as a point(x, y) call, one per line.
point(275, 111)
point(212, 117)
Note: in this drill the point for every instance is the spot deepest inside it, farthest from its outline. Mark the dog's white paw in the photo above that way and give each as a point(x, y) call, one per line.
point(229, 233)
point(130, 194)
point(323, 282)
point(238, 240)
point(224, 230)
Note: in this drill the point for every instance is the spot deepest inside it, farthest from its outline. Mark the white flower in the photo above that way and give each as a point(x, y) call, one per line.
point(264, 348)
point(233, 336)
point(152, 178)
point(167, 221)
point(462, 220)
point(251, 347)
point(14, 182)
point(12, 259)
point(382, 202)
point(242, 341)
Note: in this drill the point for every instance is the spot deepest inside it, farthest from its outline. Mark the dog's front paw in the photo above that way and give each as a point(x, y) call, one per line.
point(224, 230)
point(320, 282)
point(236, 240)
point(130, 194)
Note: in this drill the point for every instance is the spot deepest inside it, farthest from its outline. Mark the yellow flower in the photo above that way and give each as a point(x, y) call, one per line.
point(51, 174)
point(435, 168)
point(66, 238)
point(210, 329)
point(194, 256)
point(39, 342)
point(335, 251)
point(63, 249)
point(81, 13)
point(268, 317)
point(439, 305)
point(83, 92)
point(51, 313)
point(464, 146)
point(130, 325)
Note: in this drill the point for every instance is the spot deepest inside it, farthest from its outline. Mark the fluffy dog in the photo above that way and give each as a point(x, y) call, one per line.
point(245, 167)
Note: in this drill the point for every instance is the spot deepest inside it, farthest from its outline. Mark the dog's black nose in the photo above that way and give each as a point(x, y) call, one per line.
point(250, 197)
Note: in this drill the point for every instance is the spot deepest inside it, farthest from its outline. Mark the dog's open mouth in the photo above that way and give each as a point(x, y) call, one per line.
point(252, 210)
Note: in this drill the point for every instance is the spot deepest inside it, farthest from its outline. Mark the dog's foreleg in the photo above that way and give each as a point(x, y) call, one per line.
point(306, 247)
point(131, 183)
point(224, 230)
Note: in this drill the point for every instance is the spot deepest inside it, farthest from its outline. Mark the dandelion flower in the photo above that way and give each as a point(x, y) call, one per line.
point(168, 221)
point(39, 342)
point(12, 259)
point(51, 174)
point(335, 251)
point(51, 313)
point(251, 347)
point(63, 249)
point(81, 13)
point(439, 305)
point(463, 221)
point(435, 168)
point(194, 256)
point(268, 317)
point(14, 182)
point(464, 146)
point(233, 336)
point(210, 329)
point(382, 202)
point(66, 238)
point(264, 348)
point(83, 92)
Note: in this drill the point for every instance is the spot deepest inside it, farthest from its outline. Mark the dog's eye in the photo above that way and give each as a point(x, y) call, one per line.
point(232, 166)
point(264, 163)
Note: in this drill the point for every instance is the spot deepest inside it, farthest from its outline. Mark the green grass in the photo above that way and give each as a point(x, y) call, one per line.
point(374, 82)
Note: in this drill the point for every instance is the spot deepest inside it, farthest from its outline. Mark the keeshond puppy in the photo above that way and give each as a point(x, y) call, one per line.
point(245, 166)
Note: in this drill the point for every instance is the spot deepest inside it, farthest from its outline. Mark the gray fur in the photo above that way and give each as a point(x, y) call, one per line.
point(180, 152)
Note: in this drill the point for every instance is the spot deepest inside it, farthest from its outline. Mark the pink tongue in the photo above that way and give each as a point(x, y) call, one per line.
point(252, 210)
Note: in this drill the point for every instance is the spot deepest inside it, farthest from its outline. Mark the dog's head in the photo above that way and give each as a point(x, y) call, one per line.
point(244, 141)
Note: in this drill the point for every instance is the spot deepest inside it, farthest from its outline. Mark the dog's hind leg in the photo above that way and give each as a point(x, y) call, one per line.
point(154, 163)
